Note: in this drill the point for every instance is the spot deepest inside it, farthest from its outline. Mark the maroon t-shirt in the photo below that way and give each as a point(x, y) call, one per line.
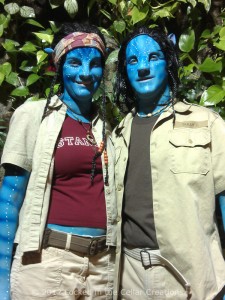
point(74, 200)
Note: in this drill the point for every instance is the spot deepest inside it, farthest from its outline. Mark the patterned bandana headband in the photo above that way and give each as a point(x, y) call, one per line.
point(76, 40)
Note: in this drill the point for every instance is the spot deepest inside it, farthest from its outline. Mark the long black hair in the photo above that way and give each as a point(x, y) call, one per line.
point(65, 30)
point(124, 94)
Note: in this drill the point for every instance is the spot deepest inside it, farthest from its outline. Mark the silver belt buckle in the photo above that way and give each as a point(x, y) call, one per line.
point(142, 253)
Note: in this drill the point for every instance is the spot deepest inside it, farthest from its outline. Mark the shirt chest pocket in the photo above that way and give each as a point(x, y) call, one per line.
point(190, 150)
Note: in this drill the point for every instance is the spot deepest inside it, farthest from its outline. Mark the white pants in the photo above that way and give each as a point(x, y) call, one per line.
point(62, 275)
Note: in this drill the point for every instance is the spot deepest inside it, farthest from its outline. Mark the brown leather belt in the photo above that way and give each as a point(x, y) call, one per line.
point(88, 246)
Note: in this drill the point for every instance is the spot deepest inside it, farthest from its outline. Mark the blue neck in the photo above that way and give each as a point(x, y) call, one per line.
point(146, 106)
point(77, 110)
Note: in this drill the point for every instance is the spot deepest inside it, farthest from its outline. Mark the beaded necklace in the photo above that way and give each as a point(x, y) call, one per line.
point(90, 137)
point(153, 114)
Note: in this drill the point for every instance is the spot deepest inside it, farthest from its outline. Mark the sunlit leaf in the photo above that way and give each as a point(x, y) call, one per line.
point(119, 26)
point(41, 55)
point(27, 12)
point(34, 23)
point(206, 3)
point(12, 8)
point(6, 68)
point(55, 3)
point(220, 45)
point(32, 79)
point(2, 1)
point(21, 91)
point(210, 65)
point(105, 13)
point(71, 7)
point(187, 41)
point(44, 37)
point(28, 47)
point(113, 1)
point(1, 29)
point(212, 96)
point(10, 45)
point(13, 79)
point(139, 14)
point(2, 77)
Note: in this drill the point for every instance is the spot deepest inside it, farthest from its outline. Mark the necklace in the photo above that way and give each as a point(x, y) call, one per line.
point(89, 135)
point(152, 114)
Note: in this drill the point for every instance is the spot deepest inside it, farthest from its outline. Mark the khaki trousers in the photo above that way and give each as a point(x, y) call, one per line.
point(150, 283)
point(62, 275)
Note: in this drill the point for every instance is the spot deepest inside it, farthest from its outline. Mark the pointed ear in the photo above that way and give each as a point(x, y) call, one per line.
point(172, 37)
point(48, 50)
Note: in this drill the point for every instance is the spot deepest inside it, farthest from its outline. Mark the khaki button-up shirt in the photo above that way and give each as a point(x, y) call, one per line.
point(187, 158)
point(30, 145)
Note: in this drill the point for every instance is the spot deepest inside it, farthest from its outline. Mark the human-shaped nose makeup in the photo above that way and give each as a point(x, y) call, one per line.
point(143, 72)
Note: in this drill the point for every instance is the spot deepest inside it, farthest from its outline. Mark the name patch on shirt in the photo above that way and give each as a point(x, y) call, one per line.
point(191, 124)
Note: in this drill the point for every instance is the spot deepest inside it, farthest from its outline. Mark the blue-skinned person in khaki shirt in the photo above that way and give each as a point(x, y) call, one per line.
point(170, 168)
point(57, 197)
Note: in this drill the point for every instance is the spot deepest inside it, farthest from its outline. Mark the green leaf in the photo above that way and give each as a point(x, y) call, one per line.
point(27, 12)
point(34, 23)
point(2, 1)
point(206, 34)
point(71, 7)
point(21, 91)
point(206, 3)
point(13, 79)
point(28, 47)
point(220, 45)
point(119, 26)
point(113, 57)
point(53, 26)
point(138, 15)
point(6, 68)
point(105, 13)
point(222, 32)
point(193, 2)
point(41, 55)
point(113, 1)
point(210, 65)
point(1, 30)
point(162, 13)
point(44, 37)
point(12, 8)
point(26, 68)
point(32, 79)
point(55, 3)
point(10, 45)
point(212, 96)
point(2, 77)
point(33, 98)
point(187, 41)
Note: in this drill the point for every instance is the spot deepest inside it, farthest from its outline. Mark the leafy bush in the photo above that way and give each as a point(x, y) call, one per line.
point(27, 27)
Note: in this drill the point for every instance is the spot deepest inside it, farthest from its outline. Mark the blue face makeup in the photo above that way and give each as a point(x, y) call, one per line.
point(147, 70)
point(82, 74)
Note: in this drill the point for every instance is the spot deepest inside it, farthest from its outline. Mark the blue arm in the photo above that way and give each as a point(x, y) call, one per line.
point(222, 207)
point(12, 193)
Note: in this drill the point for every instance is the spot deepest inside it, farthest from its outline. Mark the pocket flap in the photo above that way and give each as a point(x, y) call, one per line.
point(190, 137)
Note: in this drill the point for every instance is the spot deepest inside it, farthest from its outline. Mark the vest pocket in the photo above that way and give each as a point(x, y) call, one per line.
point(190, 150)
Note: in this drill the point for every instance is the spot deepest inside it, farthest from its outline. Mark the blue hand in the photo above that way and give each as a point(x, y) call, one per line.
point(11, 198)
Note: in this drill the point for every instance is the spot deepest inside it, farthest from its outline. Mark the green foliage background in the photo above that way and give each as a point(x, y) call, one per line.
point(27, 27)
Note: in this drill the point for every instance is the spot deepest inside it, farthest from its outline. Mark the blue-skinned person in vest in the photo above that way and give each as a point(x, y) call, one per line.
point(170, 168)
point(57, 196)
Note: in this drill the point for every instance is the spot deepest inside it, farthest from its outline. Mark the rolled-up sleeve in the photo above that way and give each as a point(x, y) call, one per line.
point(218, 154)
point(23, 129)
